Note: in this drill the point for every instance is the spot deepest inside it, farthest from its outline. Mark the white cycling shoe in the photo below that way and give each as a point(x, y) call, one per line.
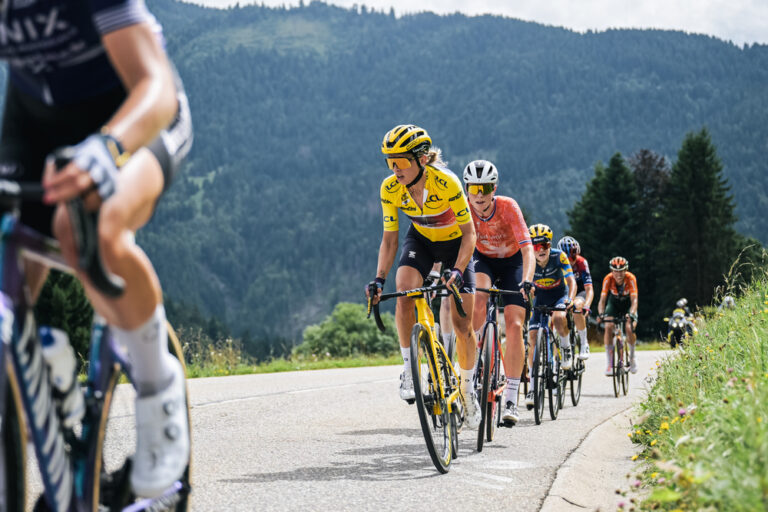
point(584, 352)
point(609, 371)
point(406, 386)
point(162, 438)
point(633, 366)
point(473, 414)
point(511, 415)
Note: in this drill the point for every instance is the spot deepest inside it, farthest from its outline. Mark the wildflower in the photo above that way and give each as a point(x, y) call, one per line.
point(653, 443)
point(675, 420)
point(665, 426)
point(760, 420)
point(634, 457)
point(654, 475)
point(682, 411)
point(629, 434)
point(648, 432)
point(662, 481)
point(637, 483)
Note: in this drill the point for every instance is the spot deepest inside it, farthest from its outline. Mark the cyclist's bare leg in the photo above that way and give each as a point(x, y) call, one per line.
point(532, 333)
point(466, 343)
point(579, 320)
point(631, 337)
point(36, 274)
point(514, 317)
point(608, 340)
point(140, 184)
point(561, 325)
point(481, 300)
point(406, 279)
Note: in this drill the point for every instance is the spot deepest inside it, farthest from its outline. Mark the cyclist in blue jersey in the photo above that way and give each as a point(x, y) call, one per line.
point(95, 76)
point(585, 291)
point(555, 286)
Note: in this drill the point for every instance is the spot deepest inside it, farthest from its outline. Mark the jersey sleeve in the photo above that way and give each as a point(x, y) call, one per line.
point(606, 285)
point(111, 15)
point(565, 265)
point(586, 276)
point(388, 209)
point(632, 285)
point(458, 202)
point(519, 227)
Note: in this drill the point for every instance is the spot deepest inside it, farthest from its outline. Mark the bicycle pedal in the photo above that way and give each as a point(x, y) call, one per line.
point(509, 423)
point(410, 401)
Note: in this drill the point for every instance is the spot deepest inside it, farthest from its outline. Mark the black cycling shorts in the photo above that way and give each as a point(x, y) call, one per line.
point(508, 271)
point(31, 130)
point(421, 253)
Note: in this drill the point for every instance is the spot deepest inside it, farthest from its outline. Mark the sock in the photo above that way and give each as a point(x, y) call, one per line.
point(565, 341)
point(446, 338)
point(147, 348)
point(631, 352)
point(406, 353)
point(466, 381)
point(583, 336)
point(609, 354)
point(510, 395)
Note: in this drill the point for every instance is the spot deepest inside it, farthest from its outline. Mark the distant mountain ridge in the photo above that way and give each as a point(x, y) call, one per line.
point(276, 217)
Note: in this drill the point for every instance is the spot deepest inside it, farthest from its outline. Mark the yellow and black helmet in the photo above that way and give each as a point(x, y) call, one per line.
point(406, 138)
point(540, 233)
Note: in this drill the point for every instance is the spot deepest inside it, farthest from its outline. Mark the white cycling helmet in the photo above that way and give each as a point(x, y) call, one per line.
point(479, 172)
point(682, 303)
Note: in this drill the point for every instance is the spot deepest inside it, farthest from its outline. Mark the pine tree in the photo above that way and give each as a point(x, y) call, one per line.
point(699, 242)
point(651, 173)
point(603, 220)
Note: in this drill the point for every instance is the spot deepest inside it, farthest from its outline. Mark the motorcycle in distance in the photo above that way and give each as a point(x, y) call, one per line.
point(679, 327)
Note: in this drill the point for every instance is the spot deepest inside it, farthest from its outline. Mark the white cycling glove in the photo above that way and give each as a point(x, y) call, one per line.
point(101, 156)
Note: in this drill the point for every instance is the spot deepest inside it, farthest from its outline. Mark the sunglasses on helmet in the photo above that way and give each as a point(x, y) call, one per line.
point(542, 246)
point(483, 188)
point(400, 162)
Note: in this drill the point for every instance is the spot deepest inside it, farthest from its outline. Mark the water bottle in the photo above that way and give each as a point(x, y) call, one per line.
point(62, 365)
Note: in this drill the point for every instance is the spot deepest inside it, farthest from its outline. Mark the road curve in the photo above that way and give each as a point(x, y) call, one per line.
point(343, 440)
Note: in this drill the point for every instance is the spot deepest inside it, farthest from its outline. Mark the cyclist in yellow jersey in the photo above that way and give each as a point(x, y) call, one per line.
point(441, 231)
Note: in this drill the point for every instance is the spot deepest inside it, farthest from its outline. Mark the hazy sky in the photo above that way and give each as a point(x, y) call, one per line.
point(740, 21)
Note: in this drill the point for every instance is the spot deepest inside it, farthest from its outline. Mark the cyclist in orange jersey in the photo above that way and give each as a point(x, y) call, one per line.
point(503, 253)
point(619, 296)
point(441, 231)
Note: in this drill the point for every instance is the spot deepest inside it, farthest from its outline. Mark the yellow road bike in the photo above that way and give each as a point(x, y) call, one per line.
point(435, 382)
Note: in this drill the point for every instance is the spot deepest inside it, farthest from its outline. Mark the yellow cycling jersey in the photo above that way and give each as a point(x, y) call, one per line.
point(445, 205)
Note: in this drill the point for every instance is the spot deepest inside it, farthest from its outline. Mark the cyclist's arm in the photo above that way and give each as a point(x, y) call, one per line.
point(633, 304)
point(151, 104)
point(529, 262)
point(468, 239)
point(571, 282)
point(143, 67)
point(387, 252)
point(590, 295)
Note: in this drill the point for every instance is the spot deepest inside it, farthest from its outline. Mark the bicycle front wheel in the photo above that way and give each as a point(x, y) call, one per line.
point(553, 382)
point(578, 373)
point(625, 371)
point(498, 385)
point(12, 451)
point(539, 377)
point(431, 404)
point(618, 366)
point(110, 464)
point(483, 375)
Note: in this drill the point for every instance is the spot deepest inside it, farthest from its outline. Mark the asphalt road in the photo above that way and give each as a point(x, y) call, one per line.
point(343, 440)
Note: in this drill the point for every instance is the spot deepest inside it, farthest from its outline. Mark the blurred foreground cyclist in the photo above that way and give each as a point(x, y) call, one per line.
point(95, 76)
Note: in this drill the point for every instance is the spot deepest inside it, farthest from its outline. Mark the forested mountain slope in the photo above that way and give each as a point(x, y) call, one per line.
point(276, 217)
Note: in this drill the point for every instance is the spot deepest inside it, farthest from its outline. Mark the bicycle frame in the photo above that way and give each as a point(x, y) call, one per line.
point(69, 467)
point(425, 317)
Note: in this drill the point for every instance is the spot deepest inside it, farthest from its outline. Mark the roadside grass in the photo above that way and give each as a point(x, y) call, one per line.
point(224, 363)
point(704, 426)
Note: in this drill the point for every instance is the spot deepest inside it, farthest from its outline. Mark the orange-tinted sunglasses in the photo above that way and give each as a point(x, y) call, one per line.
point(401, 162)
point(484, 188)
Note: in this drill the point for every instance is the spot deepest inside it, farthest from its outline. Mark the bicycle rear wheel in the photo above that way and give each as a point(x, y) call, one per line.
point(110, 465)
point(539, 377)
point(12, 451)
point(433, 409)
point(483, 375)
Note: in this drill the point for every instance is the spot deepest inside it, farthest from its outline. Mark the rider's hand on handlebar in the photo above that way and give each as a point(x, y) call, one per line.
point(454, 278)
point(374, 289)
